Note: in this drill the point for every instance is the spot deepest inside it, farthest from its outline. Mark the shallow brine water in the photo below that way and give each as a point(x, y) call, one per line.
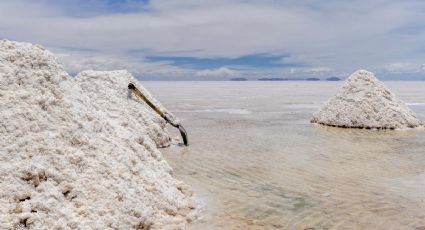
point(258, 163)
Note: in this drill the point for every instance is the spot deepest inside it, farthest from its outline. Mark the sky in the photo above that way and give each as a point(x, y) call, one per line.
point(223, 39)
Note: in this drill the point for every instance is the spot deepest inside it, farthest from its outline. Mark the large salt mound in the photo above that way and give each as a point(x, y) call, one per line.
point(365, 102)
point(79, 153)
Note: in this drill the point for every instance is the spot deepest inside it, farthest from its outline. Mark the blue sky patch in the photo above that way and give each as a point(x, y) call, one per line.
point(89, 8)
point(255, 61)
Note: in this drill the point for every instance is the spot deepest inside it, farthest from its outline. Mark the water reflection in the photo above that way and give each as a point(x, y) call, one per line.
point(271, 169)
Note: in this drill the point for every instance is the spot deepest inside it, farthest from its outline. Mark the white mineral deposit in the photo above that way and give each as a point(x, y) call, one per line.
point(81, 153)
point(365, 102)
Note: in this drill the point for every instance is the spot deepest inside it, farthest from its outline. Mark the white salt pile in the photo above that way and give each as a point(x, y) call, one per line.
point(80, 153)
point(365, 102)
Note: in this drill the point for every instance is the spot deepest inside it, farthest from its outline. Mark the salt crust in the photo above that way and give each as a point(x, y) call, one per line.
point(81, 153)
point(365, 102)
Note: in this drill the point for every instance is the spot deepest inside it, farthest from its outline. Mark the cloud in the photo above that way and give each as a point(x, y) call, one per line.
point(76, 62)
point(403, 67)
point(317, 71)
point(220, 72)
point(339, 35)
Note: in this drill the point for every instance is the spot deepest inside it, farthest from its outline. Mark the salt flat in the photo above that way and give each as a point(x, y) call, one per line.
point(270, 168)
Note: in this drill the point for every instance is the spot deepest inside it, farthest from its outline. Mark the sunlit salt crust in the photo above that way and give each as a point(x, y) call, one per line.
point(365, 102)
point(81, 153)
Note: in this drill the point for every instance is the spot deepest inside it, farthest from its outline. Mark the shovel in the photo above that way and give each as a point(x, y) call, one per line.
point(137, 92)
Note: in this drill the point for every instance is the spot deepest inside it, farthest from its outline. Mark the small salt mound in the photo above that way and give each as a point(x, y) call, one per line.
point(76, 154)
point(365, 102)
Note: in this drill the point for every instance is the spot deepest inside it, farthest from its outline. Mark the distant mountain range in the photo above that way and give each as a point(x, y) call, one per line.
point(287, 79)
point(239, 79)
point(333, 79)
point(312, 79)
point(273, 79)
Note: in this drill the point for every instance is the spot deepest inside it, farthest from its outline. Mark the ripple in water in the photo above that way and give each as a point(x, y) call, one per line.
point(271, 169)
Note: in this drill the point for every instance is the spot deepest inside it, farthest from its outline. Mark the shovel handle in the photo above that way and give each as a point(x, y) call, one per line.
point(137, 92)
point(145, 99)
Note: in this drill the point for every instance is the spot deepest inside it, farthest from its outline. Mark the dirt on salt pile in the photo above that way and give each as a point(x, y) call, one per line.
point(365, 102)
point(81, 153)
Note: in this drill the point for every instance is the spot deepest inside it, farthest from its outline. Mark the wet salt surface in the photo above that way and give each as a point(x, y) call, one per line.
point(230, 111)
point(271, 169)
